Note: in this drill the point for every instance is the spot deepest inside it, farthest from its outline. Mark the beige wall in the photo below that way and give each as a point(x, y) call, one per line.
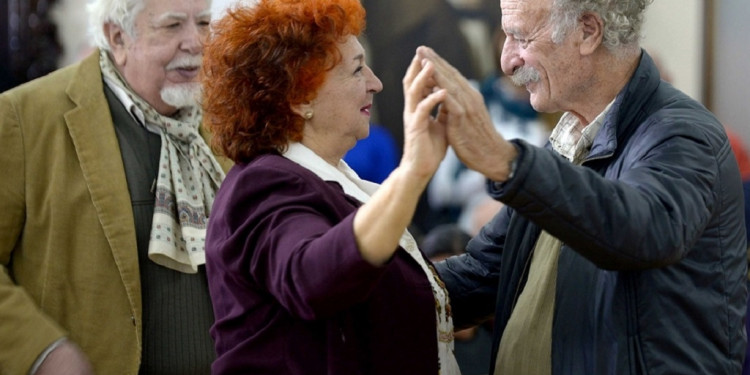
point(673, 33)
point(731, 61)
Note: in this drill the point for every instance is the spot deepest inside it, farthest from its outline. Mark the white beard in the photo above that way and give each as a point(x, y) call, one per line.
point(182, 95)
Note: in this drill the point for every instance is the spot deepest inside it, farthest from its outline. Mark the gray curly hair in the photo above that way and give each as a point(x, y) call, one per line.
point(622, 20)
point(118, 12)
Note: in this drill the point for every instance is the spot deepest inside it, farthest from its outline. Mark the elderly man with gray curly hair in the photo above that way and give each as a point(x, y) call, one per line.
point(105, 195)
point(621, 245)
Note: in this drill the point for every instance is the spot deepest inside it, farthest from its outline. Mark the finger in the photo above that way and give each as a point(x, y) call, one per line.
point(446, 75)
point(418, 89)
point(441, 65)
point(414, 69)
point(424, 107)
point(411, 72)
point(450, 106)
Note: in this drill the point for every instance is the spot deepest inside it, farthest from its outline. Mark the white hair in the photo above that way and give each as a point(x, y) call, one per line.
point(119, 12)
point(622, 20)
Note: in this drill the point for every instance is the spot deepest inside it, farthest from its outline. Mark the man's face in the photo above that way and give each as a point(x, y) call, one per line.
point(547, 70)
point(162, 60)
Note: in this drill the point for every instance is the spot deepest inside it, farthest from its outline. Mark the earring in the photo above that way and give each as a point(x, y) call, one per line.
point(308, 115)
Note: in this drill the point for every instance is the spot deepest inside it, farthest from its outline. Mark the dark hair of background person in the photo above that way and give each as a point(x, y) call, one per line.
point(444, 240)
point(251, 77)
point(28, 41)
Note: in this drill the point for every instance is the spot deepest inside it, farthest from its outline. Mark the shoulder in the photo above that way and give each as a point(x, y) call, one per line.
point(271, 169)
point(271, 188)
point(273, 178)
point(678, 115)
point(79, 83)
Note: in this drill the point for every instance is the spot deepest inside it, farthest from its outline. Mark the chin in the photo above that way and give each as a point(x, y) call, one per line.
point(539, 104)
point(182, 95)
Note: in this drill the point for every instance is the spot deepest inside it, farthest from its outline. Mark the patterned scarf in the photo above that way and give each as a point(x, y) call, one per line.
point(362, 190)
point(186, 184)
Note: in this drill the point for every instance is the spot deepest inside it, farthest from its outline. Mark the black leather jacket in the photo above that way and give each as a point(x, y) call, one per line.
point(651, 275)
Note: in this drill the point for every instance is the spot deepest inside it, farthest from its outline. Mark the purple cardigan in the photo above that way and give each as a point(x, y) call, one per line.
point(290, 291)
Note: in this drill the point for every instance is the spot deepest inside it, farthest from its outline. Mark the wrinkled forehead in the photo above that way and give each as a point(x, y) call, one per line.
point(521, 16)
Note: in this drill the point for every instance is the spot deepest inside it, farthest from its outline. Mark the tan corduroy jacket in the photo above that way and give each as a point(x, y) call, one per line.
point(68, 258)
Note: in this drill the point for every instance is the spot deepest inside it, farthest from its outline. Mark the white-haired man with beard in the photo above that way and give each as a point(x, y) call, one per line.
point(106, 190)
point(621, 245)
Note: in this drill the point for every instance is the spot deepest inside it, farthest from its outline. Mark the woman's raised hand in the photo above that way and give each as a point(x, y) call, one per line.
point(424, 137)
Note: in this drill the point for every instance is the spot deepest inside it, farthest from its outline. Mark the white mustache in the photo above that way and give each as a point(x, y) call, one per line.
point(186, 62)
point(525, 75)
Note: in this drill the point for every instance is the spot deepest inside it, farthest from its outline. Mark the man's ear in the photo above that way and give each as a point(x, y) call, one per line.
point(592, 28)
point(118, 42)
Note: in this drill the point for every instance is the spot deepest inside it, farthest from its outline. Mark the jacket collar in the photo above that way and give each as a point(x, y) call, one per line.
point(628, 108)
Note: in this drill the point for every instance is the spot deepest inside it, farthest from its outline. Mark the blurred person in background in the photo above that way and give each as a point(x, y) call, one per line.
point(743, 160)
point(374, 157)
point(395, 28)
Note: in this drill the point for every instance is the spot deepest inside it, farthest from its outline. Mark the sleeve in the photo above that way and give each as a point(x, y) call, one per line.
point(660, 194)
point(300, 244)
point(25, 331)
point(472, 278)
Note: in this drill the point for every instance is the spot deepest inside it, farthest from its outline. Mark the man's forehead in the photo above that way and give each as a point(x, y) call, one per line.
point(160, 9)
point(181, 15)
point(518, 13)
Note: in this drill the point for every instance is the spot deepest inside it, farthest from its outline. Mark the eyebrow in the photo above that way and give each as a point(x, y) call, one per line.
point(171, 15)
point(360, 57)
point(181, 16)
point(514, 31)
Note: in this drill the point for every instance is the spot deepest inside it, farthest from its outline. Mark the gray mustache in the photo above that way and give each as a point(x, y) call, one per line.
point(525, 75)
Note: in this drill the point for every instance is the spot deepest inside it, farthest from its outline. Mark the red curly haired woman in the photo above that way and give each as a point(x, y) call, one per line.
point(311, 269)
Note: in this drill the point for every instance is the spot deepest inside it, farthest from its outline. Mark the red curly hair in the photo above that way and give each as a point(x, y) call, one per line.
point(261, 60)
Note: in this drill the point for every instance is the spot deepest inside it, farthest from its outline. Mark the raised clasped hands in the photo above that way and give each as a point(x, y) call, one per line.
point(464, 118)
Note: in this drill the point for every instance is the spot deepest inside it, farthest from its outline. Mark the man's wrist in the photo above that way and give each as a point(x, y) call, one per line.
point(511, 162)
point(513, 166)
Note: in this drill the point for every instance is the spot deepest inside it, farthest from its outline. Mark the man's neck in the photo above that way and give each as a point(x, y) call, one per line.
point(612, 74)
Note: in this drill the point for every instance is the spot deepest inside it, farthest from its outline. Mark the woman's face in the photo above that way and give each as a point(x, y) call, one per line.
point(341, 110)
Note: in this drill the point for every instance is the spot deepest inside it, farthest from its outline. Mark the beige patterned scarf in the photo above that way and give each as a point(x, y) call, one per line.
point(188, 178)
point(362, 190)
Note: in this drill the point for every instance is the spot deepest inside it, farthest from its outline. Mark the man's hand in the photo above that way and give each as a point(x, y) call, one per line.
point(66, 359)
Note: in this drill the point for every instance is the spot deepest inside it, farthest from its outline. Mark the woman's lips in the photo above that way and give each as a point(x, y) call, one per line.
point(366, 109)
